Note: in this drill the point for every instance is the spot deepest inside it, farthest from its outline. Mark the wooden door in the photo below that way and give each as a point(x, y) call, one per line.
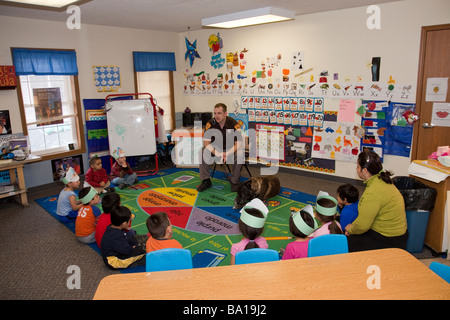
point(434, 63)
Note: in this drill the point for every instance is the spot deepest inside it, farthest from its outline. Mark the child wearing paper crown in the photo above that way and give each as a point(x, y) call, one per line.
point(68, 206)
point(121, 172)
point(301, 224)
point(87, 215)
point(326, 207)
point(251, 225)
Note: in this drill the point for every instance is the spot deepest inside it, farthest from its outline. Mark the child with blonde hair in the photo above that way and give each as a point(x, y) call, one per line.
point(121, 172)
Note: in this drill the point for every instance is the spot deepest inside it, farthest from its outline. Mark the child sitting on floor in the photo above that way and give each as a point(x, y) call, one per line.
point(301, 225)
point(119, 247)
point(121, 172)
point(160, 229)
point(347, 197)
point(326, 212)
point(109, 201)
point(251, 225)
point(97, 177)
point(87, 215)
point(68, 206)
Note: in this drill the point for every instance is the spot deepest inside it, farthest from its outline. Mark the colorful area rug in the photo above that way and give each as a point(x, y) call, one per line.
point(204, 222)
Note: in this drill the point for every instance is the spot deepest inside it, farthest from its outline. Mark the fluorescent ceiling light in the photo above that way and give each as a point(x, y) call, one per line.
point(45, 3)
point(248, 18)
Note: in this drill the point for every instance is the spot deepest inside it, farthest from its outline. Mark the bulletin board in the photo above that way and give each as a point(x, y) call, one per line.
point(131, 126)
point(304, 115)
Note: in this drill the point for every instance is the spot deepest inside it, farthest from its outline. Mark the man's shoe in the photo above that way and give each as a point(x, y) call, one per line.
point(204, 185)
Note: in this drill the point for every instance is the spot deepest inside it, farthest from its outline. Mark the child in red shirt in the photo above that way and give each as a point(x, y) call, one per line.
point(97, 177)
point(109, 201)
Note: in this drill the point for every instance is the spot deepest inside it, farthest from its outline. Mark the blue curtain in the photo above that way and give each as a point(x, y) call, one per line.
point(154, 61)
point(44, 62)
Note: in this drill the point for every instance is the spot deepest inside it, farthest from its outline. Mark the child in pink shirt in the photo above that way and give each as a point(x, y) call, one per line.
point(301, 225)
point(251, 225)
point(326, 210)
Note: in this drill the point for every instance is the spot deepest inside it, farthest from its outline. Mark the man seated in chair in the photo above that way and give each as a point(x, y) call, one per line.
point(223, 143)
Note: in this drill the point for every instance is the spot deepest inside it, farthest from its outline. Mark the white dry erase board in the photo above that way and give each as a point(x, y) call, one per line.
point(131, 126)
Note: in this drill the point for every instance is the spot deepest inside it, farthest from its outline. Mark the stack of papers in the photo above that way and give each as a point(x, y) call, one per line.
point(429, 170)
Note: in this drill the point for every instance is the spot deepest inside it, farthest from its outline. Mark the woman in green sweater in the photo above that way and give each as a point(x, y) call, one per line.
point(381, 221)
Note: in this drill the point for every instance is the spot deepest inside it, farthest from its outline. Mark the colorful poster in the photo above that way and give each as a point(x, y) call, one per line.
point(47, 105)
point(106, 78)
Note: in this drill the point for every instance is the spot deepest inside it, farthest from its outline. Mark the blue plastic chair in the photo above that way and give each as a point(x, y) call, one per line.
point(168, 259)
point(327, 244)
point(441, 270)
point(256, 255)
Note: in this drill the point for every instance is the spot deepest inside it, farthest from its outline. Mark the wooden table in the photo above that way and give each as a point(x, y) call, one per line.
point(344, 276)
point(13, 167)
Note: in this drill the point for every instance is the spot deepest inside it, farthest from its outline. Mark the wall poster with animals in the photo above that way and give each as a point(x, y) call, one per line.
point(285, 131)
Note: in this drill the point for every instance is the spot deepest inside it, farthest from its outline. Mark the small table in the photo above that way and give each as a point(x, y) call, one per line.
point(343, 276)
point(13, 167)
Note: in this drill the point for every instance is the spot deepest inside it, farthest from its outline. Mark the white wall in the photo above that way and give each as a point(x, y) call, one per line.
point(337, 41)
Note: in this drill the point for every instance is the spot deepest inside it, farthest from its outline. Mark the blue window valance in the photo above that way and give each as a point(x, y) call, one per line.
point(42, 62)
point(154, 61)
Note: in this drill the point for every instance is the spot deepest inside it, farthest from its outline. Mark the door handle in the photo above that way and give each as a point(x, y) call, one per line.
point(427, 126)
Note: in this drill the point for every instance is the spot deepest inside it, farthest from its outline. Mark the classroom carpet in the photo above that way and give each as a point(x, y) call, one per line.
point(203, 222)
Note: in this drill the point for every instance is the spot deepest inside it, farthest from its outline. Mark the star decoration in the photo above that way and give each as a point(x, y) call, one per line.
point(191, 51)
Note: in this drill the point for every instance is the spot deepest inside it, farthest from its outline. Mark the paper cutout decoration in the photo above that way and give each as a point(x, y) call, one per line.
point(191, 51)
point(106, 78)
point(215, 45)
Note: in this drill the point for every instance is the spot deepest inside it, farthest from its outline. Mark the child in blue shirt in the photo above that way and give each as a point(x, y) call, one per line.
point(68, 206)
point(348, 200)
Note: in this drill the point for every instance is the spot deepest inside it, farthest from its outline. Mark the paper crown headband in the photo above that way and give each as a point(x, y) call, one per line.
point(71, 176)
point(253, 221)
point(118, 153)
point(91, 194)
point(326, 211)
point(301, 224)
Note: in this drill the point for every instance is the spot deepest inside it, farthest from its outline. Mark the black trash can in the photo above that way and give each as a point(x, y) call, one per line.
point(419, 201)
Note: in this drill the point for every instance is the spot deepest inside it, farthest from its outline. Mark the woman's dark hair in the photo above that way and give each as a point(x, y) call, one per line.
point(333, 227)
point(372, 162)
point(293, 228)
point(250, 232)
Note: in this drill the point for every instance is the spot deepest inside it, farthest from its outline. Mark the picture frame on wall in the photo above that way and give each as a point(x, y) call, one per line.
point(60, 166)
point(5, 123)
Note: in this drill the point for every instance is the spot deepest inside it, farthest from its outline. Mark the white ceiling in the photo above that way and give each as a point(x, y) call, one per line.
point(175, 15)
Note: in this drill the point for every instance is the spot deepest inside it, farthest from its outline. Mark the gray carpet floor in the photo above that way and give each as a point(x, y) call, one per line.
point(37, 250)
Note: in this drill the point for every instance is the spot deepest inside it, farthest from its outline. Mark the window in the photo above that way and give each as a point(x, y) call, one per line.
point(158, 84)
point(154, 75)
point(49, 101)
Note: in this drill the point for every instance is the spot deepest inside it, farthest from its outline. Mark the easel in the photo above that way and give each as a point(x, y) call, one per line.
point(152, 100)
